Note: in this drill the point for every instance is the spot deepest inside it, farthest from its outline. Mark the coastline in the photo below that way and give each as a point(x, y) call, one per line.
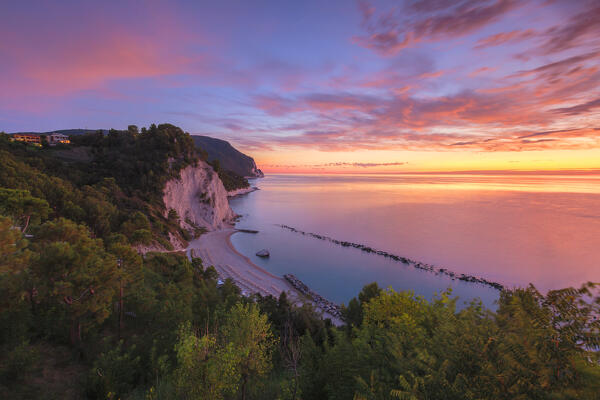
point(215, 248)
point(233, 249)
point(239, 192)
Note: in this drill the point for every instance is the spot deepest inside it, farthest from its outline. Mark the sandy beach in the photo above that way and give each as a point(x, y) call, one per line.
point(215, 249)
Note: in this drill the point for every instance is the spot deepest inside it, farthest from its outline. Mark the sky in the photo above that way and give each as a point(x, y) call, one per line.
point(319, 86)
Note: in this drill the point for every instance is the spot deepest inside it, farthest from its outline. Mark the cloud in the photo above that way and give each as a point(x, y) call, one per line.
point(481, 70)
point(562, 65)
point(92, 54)
point(478, 120)
point(580, 108)
point(99, 51)
point(340, 101)
point(504, 37)
point(546, 133)
point(579, 28)
point(114, 56)
point(274, 105)
point(339, 164)
point(360, 164)
point(270, 91)
point(429, 20)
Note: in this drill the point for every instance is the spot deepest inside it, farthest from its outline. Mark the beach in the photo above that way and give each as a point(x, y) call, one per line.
point(215, 249)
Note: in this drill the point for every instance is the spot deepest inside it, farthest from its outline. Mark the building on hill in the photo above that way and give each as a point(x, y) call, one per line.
point(37, 139)
point(28, 138)
point(56, 138)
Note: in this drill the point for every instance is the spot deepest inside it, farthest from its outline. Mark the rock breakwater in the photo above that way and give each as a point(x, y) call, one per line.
point(321, 302)
point(404, 260)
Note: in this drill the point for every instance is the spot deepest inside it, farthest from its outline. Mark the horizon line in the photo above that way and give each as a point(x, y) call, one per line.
point(578, 171)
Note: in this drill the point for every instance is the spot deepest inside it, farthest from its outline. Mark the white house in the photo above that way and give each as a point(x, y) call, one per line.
point(55, 138)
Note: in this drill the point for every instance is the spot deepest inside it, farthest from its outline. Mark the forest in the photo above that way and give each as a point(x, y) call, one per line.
point(84, 315)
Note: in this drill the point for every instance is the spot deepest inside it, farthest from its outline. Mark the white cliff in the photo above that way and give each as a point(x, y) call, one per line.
point(199, 198)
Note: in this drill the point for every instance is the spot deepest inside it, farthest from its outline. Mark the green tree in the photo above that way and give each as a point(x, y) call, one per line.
point(129, 273)
point(291, 354)
point(132, 129)
point(23, 207)
point(75, 271)
point(353, 313)
point(115, 371)
point(216, 164)
point(534, 347)
point(248, 339)
point(548, 345)
point(137, 228)
point(173, 216)
point(204, 370)
point(312, 380)
point(14, 256)
point(163, 303)
point(14, 273)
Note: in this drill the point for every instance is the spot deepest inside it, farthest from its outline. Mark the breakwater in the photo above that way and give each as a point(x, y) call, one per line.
point(324, 304)
point(404, 260)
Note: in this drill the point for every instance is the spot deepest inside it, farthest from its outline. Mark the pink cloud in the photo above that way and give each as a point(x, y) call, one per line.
point(93, 50)
point(580, 108)
point(504, 37)
point(404, 27)
point(275, 105)
point(522, 114)
point(481, 70)
point(431, 75)
point(86, 63)
point(579, 29)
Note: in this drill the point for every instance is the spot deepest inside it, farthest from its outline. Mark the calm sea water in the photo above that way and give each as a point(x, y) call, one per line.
point(509, 229)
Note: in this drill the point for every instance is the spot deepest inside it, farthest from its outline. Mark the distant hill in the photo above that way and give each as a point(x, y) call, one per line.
point(80, 131)
point(229, 157)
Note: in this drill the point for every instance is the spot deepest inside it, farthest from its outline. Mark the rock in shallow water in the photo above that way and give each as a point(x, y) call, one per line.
point(263, 253)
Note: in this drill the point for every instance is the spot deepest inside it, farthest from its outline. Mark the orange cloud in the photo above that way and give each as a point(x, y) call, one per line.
point(521, 115)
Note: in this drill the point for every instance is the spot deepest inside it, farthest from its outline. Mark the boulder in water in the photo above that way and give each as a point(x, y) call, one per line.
point(263, 253)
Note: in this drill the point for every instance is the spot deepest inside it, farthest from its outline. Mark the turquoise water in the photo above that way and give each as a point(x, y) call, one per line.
point(509, 229)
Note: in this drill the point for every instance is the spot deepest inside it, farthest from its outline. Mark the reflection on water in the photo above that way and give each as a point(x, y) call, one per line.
point(509, 229)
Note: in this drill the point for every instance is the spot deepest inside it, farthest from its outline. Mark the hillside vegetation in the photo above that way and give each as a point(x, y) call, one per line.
point(228, 156)
point(231, 180)
point(83, 315)
point(111, 183)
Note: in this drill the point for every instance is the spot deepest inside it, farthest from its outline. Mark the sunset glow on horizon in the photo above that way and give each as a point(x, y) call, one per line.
point(320, 87)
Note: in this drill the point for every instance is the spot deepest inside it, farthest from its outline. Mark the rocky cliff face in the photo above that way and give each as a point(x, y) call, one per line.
point(256, 172)
point(199, 198)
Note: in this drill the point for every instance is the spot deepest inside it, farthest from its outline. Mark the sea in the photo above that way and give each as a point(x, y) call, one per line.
point(516, 230)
